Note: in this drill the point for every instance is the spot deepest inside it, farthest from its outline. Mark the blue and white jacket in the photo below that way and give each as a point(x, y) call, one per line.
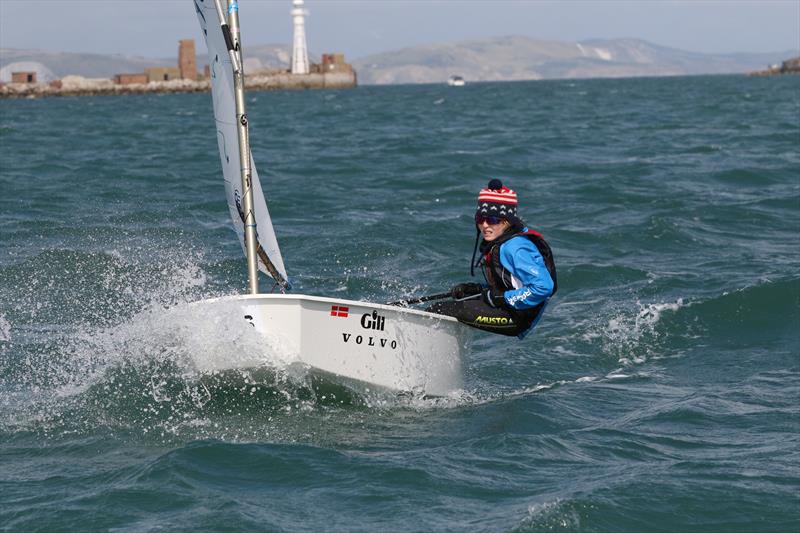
point(521, 265)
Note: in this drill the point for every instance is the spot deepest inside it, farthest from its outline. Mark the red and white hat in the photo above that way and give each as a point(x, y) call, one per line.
point(497, 201)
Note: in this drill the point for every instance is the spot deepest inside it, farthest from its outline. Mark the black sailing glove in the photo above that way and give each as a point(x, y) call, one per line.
point(494, 298)
point(464, 290)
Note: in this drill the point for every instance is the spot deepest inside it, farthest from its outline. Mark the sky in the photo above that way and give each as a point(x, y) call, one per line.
point(152, 28)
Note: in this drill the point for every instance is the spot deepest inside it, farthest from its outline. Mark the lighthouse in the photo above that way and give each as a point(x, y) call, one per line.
point(299, 51)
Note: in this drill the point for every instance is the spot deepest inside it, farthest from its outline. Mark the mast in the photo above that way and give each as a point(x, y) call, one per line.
point(230, 30)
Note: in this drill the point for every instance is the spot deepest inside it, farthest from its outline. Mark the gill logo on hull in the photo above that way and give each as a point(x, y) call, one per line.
point(373, 321)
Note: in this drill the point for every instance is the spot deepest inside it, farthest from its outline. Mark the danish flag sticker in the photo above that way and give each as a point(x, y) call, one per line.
point(339, 310)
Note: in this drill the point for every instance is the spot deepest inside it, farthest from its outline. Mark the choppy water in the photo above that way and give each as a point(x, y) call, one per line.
point(660, 392)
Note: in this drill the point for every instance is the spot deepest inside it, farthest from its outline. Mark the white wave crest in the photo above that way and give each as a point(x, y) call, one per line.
point(550, 516)
point(630, 336)
point(5, 329)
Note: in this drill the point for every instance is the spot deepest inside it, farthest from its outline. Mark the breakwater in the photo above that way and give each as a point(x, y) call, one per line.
point(790, 66)
point(270, 81)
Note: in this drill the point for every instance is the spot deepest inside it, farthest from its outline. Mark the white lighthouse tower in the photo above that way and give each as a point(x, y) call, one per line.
point(300, 63)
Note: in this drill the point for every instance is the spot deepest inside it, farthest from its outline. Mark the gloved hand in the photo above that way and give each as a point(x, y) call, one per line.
point(494, 298)
point(463, 290)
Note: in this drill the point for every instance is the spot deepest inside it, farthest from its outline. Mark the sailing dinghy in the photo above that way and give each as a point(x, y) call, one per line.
point(360, 344)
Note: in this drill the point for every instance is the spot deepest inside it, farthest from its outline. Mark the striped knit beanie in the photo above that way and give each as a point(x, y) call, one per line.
point(497, 201)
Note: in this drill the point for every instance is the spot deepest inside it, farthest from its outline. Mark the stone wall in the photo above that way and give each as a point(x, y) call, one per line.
point(790, 66)
point(23, 77)
point(268, 81)
point(127, 79)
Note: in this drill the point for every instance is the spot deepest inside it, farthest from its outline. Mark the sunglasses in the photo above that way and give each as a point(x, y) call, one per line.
point(480, 219)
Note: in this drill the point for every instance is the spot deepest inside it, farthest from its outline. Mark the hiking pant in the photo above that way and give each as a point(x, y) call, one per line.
point(479, 314)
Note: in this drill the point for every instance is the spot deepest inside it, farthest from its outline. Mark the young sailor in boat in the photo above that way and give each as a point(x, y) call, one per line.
point(518, 267)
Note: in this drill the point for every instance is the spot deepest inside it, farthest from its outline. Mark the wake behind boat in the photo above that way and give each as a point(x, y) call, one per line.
point(366, 344)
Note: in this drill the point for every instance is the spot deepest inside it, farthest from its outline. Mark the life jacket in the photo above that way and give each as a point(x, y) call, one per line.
point(499, 278)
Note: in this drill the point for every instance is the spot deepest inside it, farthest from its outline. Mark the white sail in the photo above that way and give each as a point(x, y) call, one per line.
point(222, 91)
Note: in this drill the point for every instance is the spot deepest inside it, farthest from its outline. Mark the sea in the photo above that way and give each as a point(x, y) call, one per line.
point(660, 392)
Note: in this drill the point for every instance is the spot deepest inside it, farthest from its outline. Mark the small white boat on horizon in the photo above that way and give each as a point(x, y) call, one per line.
point(456, 81)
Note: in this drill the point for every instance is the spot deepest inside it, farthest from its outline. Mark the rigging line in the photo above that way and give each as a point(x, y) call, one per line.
point(262, 254)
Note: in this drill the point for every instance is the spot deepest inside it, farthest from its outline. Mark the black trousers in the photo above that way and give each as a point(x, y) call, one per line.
point(479, 314)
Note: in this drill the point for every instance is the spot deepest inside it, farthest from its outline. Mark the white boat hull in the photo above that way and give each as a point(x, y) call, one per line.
point(376, 345)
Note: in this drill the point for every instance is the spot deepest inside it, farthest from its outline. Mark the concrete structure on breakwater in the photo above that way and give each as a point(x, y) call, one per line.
point(790, 66)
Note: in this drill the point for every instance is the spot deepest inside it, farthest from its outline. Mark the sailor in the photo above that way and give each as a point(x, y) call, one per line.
point(517, 265)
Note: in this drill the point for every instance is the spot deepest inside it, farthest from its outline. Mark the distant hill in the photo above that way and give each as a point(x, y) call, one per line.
point(523, 58)
point(501, 58)
point(61, 64)
point(52, 65)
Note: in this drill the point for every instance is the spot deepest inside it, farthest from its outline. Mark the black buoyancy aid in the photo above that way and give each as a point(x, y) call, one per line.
point(499, 278)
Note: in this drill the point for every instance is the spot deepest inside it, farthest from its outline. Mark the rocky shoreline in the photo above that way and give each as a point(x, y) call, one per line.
point(790, 66)
point(269, 81)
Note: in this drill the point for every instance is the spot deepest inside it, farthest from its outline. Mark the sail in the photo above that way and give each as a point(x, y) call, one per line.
point(222, 92)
